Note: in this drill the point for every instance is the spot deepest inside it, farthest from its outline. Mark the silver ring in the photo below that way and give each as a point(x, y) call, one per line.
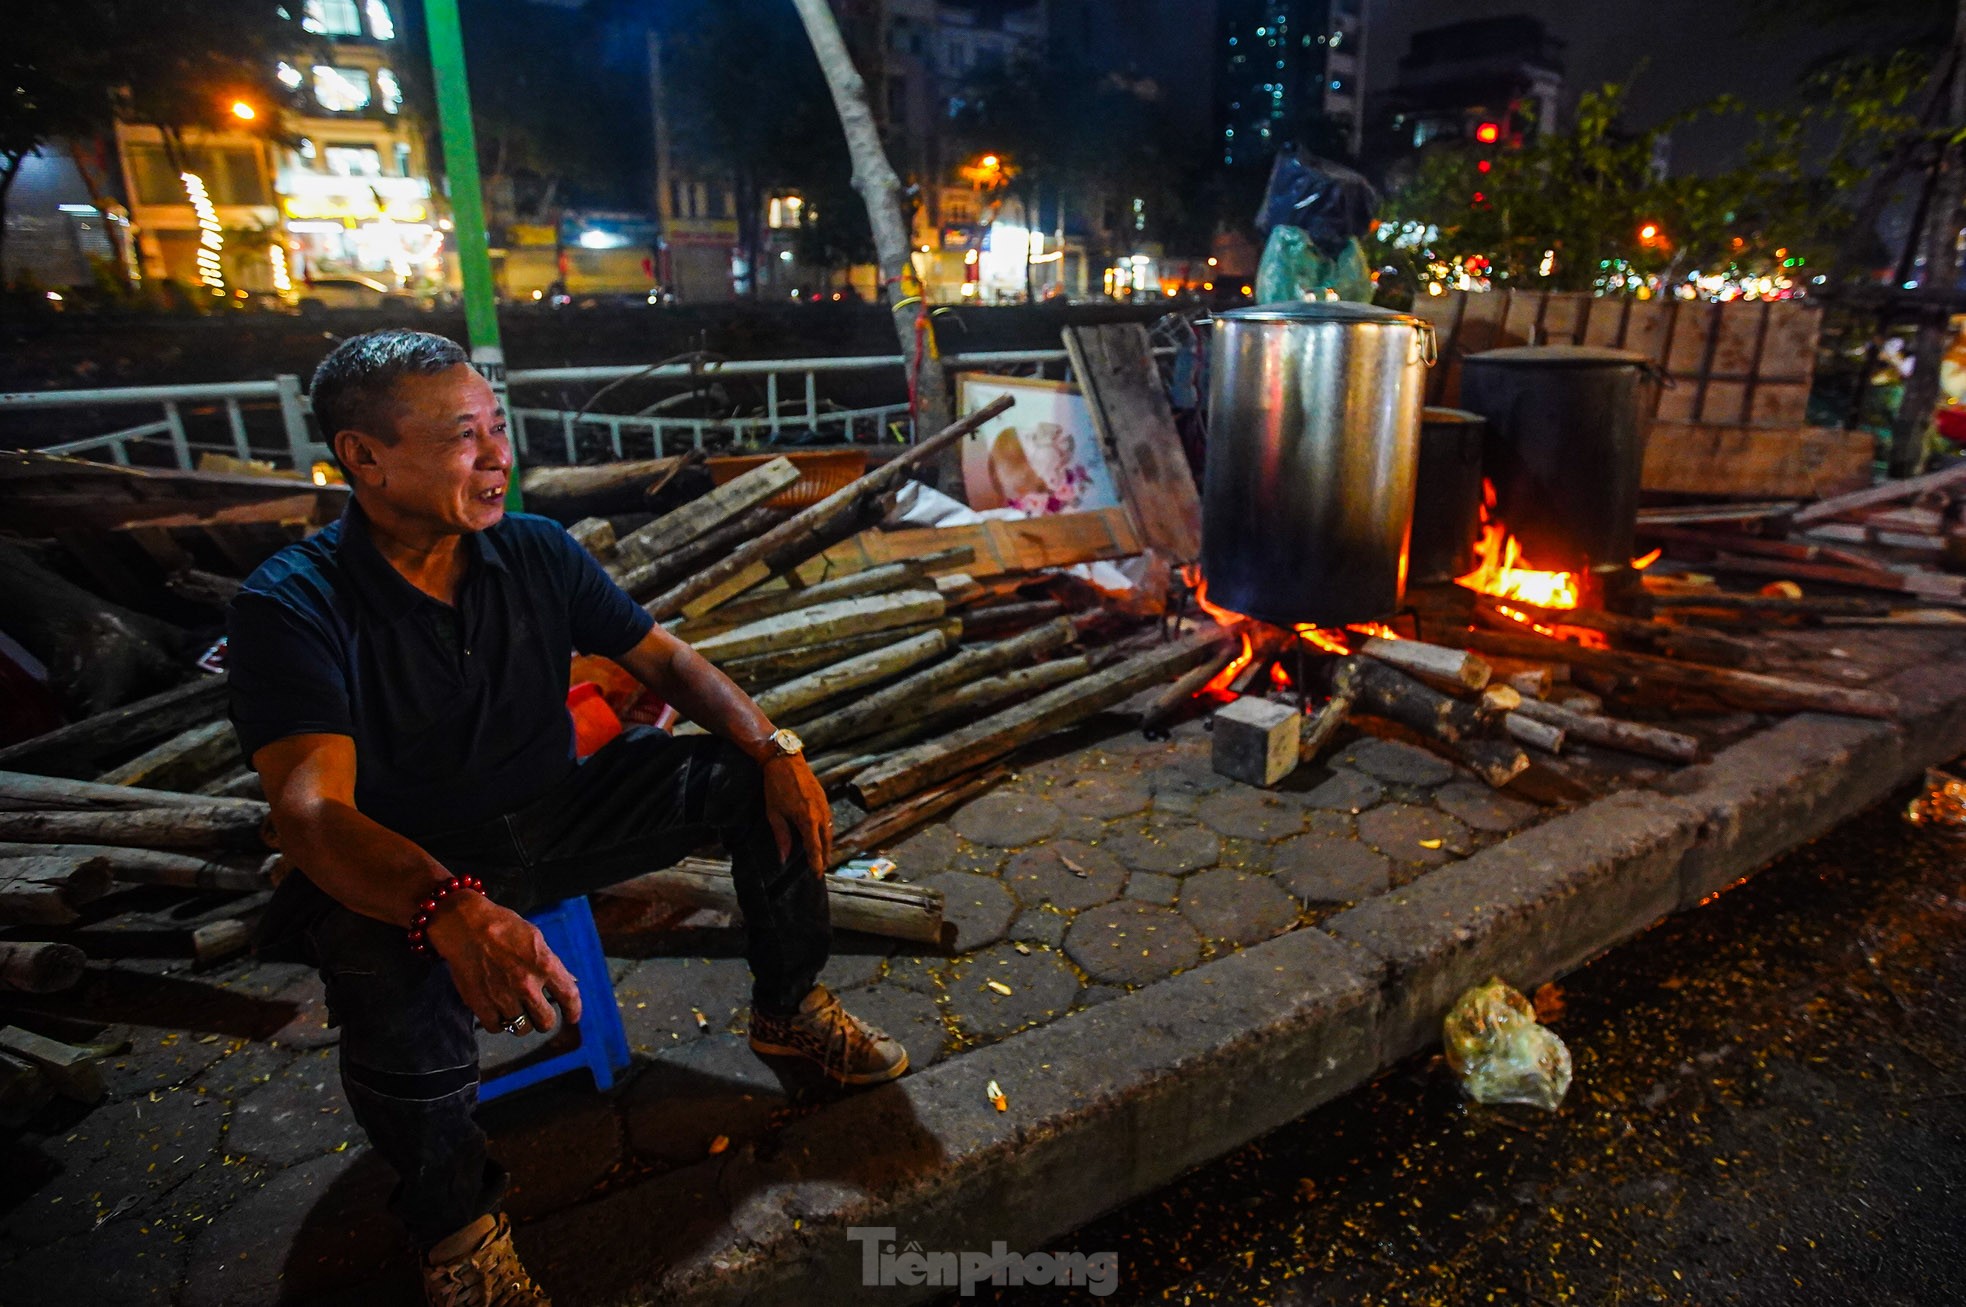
point(517, 1025)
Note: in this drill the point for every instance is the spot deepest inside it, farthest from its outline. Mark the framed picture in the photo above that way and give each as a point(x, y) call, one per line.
point(1040, 455)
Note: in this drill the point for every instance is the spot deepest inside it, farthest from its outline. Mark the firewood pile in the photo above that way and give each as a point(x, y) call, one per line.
point(913, 662)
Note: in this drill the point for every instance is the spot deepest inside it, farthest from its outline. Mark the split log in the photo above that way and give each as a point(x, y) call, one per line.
point(658, 573)
point(927, 764)
point(1178, 695)
point(767, 669)
point(1001, 617)
point(886, 827)
point(1662, 638)
point(69, 750)
point(596, 536)
point(75, 1072)
point(704, 514)
point(970, 701)
point(1875, 578)
point(852, 674)
point(1322, 727)
point(39, 967)
point(200, 587)
point(871, 907)
point(1737, 543)
point(823, 622)
point(958, 588)
point(24, 790)
point(45, 890)
point(215, 941)
point(1890, 492)
point(232, 824)
point(794, 540)
point(243, 783)
point(1498, 762)
point(242, 875)
point(1455, 666)
point(1716, 513)
point(1501, 699)
point(1535, 734)
point(182, 763)
point(596, 489)
point(97, 654)
point(879, 580)
point(904, 698)
point(1756, 691)
point(1385, 691)
point(1632, 737)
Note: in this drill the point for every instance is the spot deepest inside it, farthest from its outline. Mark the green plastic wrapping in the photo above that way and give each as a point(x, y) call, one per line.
point(1501, 1052)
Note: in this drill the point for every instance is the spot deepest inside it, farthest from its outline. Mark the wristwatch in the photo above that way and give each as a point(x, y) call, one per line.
point(786, 743)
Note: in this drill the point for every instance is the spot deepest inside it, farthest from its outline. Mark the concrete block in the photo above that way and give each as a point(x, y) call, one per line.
point(1528, 910)
point(1256, 740)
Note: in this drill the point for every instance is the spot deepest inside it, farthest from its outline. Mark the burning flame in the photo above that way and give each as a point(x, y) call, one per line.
point(1327, 641)
point(1279, 677)
point(1220, 681)
point(1499, 571)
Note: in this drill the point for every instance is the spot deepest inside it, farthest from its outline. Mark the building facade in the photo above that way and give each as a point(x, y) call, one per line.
point(1492, 80)
point(1281, 66)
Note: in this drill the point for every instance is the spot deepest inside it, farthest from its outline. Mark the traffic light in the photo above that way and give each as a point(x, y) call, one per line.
point(1488, 133)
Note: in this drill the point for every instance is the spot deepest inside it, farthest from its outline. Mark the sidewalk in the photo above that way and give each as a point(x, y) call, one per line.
point(1190, 963)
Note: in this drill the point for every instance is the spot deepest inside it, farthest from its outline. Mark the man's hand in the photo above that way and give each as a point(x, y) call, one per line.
point(500, 964)
point(795, 801)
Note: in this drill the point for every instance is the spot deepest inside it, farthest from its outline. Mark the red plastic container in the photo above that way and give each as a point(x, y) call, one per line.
point(594, 723)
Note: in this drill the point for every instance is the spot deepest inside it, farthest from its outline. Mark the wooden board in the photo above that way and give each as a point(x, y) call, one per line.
point(1741, 363)
point(1116, 370)
point(999, 547)
point(1750, 462)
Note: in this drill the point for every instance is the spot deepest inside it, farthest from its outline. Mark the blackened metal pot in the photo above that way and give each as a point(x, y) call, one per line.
point(1313, 442)
point(1565, 445)
point(1446, 496)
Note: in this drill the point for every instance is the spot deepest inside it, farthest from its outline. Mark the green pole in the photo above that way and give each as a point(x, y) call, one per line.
point(467, 201)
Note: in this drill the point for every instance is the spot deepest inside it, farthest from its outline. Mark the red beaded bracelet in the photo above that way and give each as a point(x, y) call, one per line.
point(426, 911)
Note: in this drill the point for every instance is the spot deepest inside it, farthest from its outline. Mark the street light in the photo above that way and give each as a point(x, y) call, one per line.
point(244, 111)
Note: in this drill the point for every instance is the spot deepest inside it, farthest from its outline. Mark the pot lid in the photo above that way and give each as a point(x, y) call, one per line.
point(1561, 356)
point(1322, 311)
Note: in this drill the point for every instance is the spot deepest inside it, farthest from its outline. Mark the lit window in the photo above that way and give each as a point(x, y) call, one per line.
point(307, 150)
point(331, 18)
point(353, 160)
point(390, 88)
point(402, 159)
point(381, 26)
point(288, 75)
point(341, 90)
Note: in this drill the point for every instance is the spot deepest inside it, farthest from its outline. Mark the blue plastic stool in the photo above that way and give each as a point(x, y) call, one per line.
point(603, 1049)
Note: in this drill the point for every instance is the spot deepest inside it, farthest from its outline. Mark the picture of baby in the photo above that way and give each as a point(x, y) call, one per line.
point(1044, 459)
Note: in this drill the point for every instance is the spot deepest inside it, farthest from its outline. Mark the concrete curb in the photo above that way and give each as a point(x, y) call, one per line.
point(1114, 1101)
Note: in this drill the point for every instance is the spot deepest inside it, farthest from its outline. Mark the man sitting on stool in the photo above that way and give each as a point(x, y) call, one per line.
point(399, 681)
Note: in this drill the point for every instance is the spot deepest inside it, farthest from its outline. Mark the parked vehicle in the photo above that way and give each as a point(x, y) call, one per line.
point(323, 293)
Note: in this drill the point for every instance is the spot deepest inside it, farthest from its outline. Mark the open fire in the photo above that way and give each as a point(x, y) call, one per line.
point(1501, 571)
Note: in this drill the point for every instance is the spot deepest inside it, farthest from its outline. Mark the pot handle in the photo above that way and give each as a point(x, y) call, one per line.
point(1429, 342)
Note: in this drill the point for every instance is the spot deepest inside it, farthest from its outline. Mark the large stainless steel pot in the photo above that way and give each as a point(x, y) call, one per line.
point(1313, 440)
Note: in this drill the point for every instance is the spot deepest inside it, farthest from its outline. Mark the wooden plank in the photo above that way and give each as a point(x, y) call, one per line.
point(133, 724)
point(1115, 366)
point(1755, 462)
point(1890, 492)
point(997, 548)
point(186, 761)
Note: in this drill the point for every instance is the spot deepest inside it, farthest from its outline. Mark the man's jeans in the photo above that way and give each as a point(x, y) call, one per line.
point(409, 1059)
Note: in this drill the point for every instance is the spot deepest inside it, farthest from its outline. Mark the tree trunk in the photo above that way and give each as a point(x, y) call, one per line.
point(880, 190)
point(100, 196)
point(1941, 271)
point(9, 169)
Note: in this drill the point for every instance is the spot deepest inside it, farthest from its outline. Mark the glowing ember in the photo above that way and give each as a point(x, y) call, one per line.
point(1328, 641)
point(1378, 629)
point(1644, 561)
point(1221, 679)
point(1279, 677)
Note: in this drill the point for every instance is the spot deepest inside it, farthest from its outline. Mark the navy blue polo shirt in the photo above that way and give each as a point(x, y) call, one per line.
point(458, 713)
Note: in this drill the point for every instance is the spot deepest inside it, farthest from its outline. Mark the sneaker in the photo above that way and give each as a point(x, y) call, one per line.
point(845, 1047)
point(487, 1276)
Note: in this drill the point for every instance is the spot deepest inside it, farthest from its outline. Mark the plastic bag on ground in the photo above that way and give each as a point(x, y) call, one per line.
point(1501, 1053)
point(1942, 807)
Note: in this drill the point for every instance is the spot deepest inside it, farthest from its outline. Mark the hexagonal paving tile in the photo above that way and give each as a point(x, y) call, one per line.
point(1040, 926)
point(1251, 815)
point(1403, 833)
point(659, 1000)
point(1041, 984)
point(1168, 848)
point(936, 848)
point(1482, 808)
point(1131, 943)
point(1006, 819)
point(980, 907)
point(1235, 906)
point(1152, 887)
point(1321, 869)
point(1101, 796)
point(1345, 791)
point(1065, 874)
point(1402, 764)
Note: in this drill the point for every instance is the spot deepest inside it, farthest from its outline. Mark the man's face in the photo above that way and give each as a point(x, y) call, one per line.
point(452, 456)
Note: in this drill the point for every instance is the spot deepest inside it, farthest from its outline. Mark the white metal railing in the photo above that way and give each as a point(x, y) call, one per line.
point(214, 416)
